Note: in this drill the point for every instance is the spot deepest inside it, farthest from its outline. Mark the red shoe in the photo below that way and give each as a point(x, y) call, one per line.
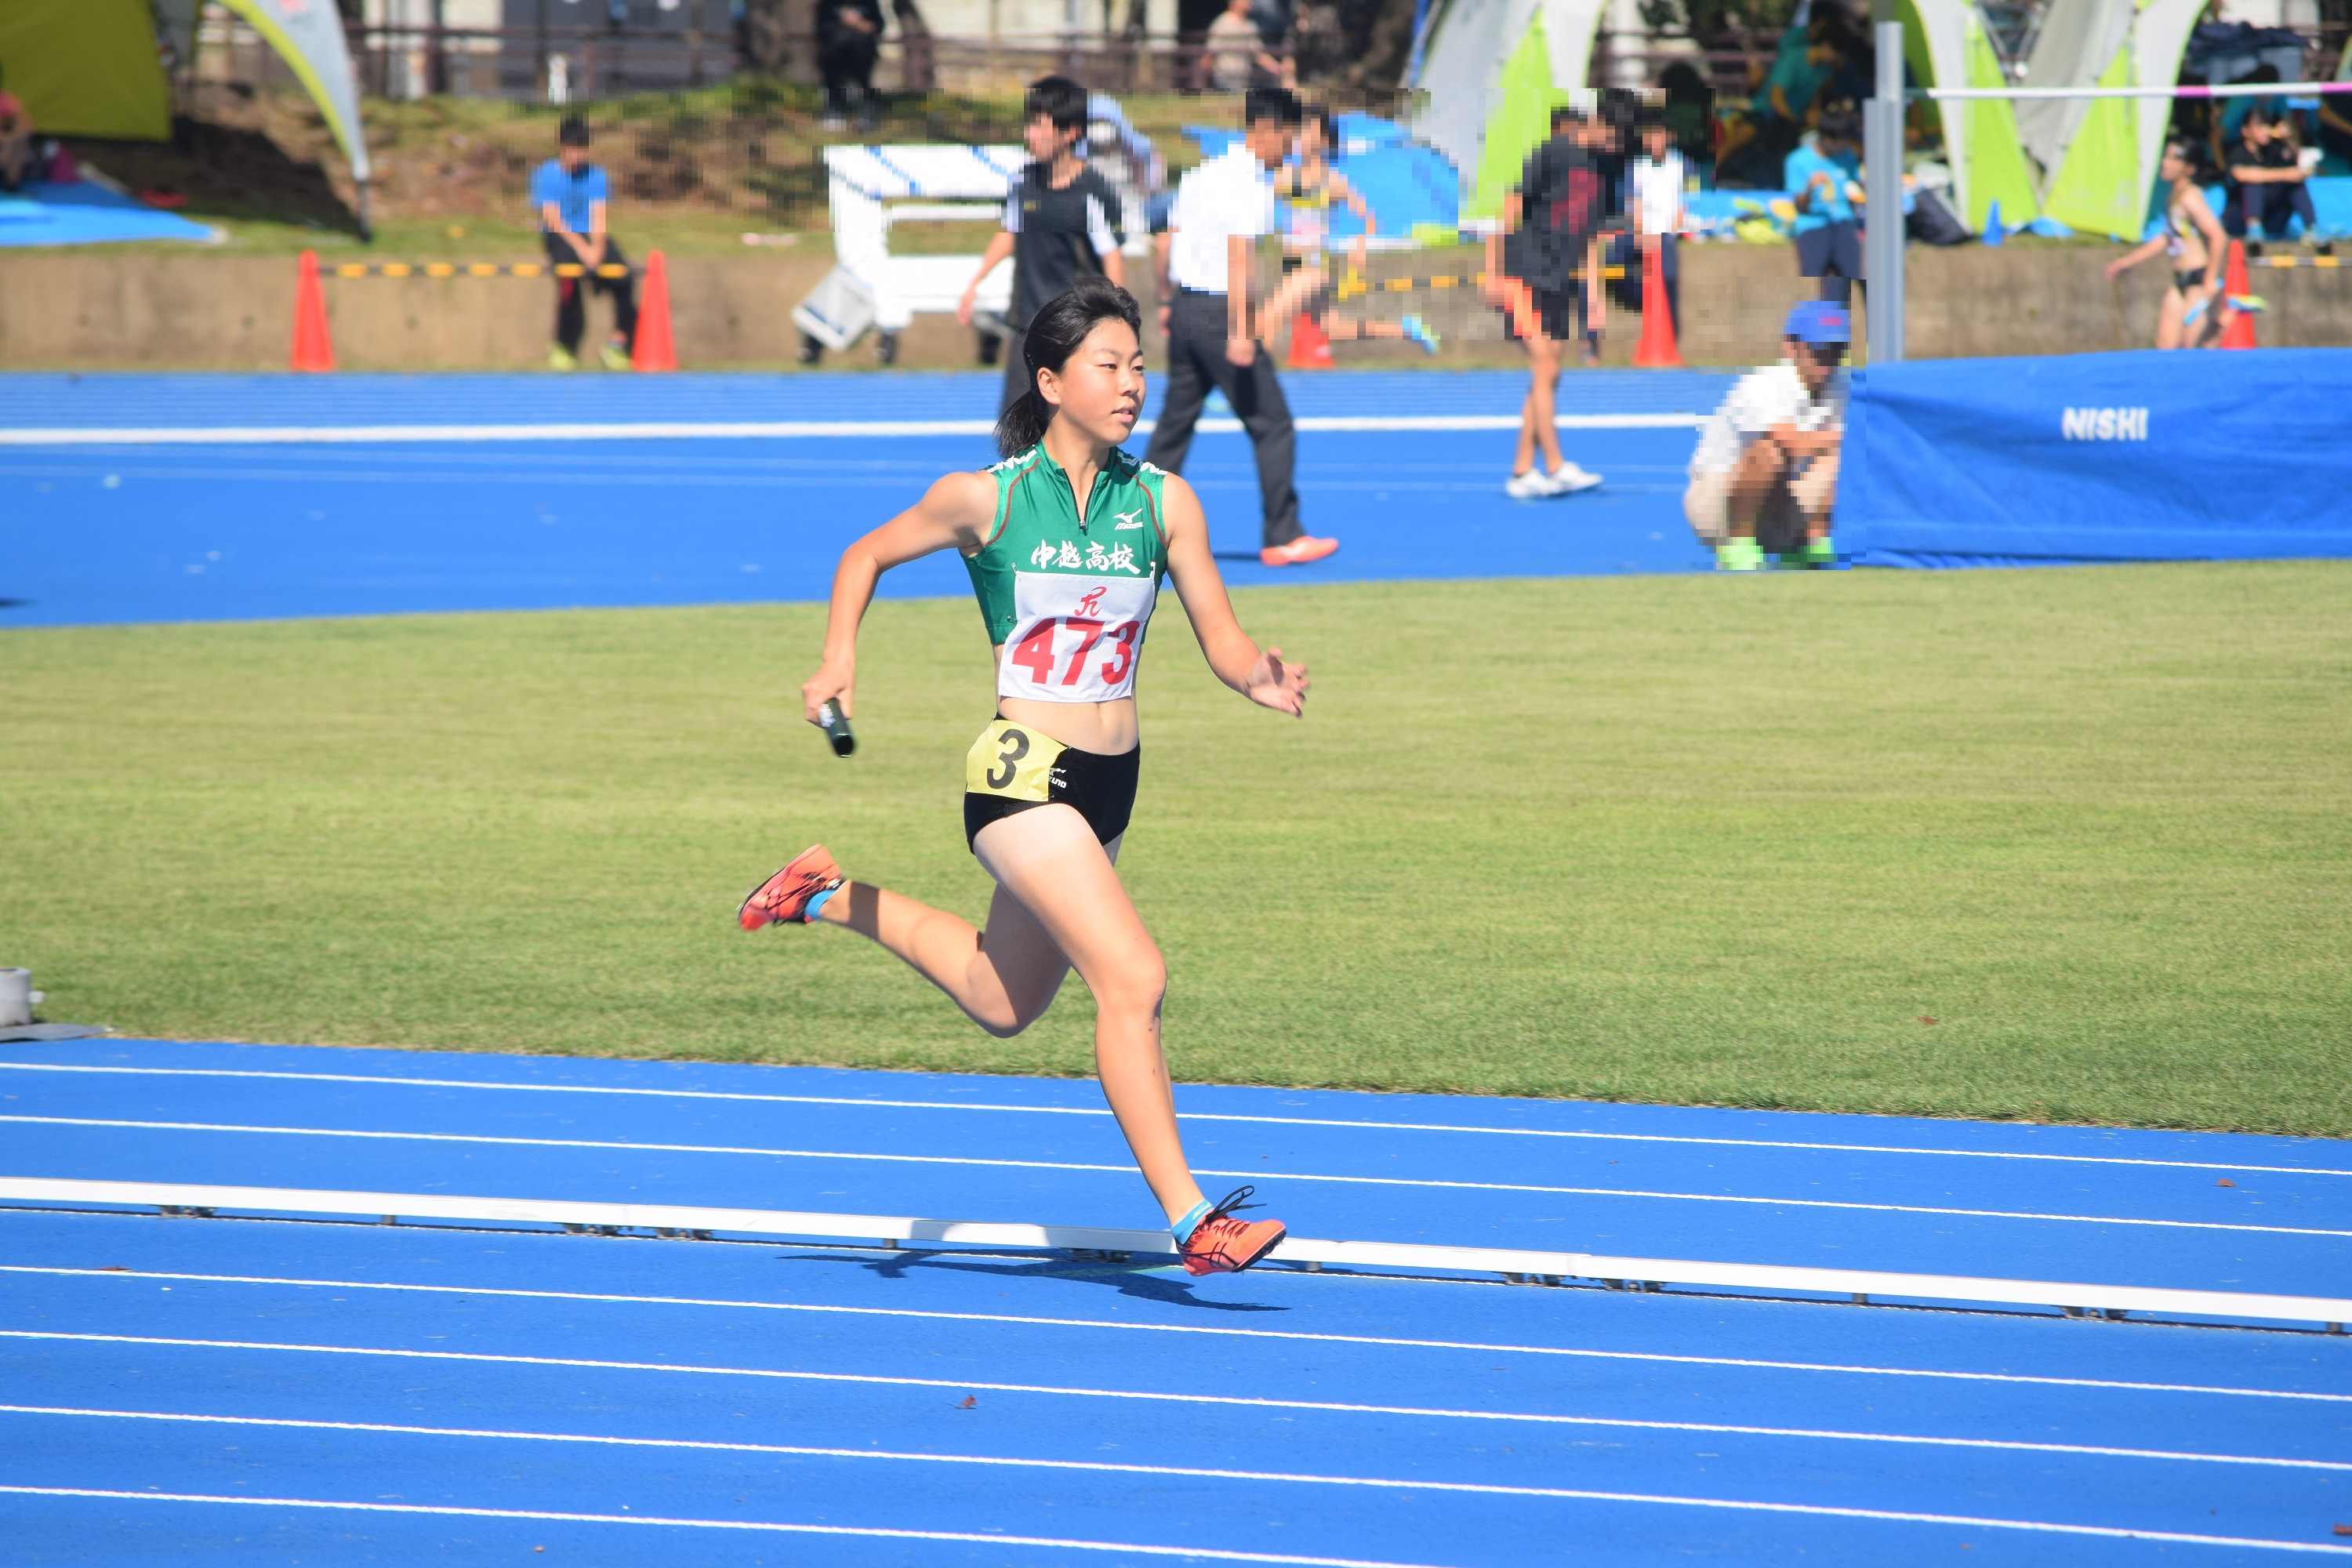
point(784, 896)
point(1299, 552)
point(1221, 1244)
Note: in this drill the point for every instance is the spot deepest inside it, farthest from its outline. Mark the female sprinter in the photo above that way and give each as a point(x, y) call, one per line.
point(1066, 540)
point(1310, 186)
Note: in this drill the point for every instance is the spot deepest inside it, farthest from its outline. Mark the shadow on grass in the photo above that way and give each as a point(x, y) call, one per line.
point(224, 171)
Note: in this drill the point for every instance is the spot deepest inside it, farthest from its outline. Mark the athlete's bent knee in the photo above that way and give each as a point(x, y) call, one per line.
point(1136, 985)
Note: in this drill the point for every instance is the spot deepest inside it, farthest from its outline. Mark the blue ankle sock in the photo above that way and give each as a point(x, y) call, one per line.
point(1189, 1221)
point(814, 904)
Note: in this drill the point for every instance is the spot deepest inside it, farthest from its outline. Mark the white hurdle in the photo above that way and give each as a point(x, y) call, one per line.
point(893, 1231)
point(871, 188)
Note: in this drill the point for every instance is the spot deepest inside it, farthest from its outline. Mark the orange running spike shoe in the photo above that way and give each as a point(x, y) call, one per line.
point(784, 896)
point(1221, 1244)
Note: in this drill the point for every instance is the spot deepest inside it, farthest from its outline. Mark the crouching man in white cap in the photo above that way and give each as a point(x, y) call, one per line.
point(1765, 475)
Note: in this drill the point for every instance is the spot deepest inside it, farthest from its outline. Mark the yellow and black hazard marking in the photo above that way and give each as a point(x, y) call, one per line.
point(1355, 285)
point(476, 270)
point(2294, 262)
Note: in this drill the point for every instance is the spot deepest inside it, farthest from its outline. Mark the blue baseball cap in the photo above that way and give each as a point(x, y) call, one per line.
point(1819, 322)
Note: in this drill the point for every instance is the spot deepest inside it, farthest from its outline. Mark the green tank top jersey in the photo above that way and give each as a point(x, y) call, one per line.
point(1068, 596)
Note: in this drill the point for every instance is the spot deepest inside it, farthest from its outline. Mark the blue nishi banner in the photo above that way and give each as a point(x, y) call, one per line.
point(2187, 455)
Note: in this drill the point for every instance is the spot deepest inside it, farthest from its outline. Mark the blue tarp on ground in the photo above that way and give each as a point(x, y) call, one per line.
point(86, 213)
point(1408, 185)
point(2120, 456)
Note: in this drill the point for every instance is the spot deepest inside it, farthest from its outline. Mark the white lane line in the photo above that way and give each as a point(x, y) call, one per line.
point(1342, 1408)
point(1817, 1510)
point(1219, 1554)
point(2105, 1453)
point(780, 429)
point(1261, 1174)
point(1385, 1341)
point(1181, 1115)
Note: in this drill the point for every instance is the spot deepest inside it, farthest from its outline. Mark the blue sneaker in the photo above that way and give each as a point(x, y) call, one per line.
point(1419, 332)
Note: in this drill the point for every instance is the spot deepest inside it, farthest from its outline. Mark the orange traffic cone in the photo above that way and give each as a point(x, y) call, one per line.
point(313, 348)
point(1310, 346)
point(653, 349)
point(1657, 350)
point(2238, 332)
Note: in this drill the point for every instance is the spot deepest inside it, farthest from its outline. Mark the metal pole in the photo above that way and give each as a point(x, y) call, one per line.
point(1882, 152)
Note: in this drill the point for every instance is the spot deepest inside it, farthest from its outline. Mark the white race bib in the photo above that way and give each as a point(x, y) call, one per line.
point(1074, 638)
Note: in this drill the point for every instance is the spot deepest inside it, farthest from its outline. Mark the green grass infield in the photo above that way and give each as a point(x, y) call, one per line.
point(2063, 845)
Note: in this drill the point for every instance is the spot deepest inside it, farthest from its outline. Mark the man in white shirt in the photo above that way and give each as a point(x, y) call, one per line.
point(1208, 264)
point(1657, 205)
point(1765, 474)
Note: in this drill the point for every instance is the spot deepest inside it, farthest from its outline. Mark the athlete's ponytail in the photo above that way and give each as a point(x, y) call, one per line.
point(1053, 335)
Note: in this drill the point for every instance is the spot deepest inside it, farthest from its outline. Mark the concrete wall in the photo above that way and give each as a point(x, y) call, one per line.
point(95, 310)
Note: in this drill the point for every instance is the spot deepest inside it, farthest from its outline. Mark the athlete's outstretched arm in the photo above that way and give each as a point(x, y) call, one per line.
point(1263, 678)
point(955, 513)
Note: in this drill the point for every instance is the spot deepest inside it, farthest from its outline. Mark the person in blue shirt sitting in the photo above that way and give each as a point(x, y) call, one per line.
point(571, 197)
point(1824, 180)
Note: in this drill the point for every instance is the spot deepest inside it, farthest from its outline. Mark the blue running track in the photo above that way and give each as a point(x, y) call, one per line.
point(276, 1391)
point(233, 528)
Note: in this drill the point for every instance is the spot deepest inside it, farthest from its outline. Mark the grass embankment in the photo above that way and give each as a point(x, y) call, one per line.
point(1668, 838)
point(692, 171)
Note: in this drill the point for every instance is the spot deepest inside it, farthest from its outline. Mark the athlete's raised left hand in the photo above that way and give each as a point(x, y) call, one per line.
point(1271, 683)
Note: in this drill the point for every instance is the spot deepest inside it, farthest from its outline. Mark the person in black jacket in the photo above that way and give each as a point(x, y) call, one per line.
point(848, 37)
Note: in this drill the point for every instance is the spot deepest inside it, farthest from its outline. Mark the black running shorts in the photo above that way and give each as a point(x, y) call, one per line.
point(1013, 768)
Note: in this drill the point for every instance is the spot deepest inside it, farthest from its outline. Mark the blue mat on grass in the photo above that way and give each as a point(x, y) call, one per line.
point(87, 214)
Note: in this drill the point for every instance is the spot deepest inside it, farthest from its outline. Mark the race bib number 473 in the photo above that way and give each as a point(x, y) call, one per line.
point(1074, 638)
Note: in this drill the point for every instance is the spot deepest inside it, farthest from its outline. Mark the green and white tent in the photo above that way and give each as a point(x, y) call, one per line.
point(1947, 44)
point(308, 34)
point(87, 67)
point(1492, 71)
point(2101, 155)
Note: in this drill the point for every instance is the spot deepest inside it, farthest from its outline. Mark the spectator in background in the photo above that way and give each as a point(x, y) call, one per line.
point(1237, 53)
point(1223, 209)
point(2268, 184)
point(1690, 113)
point(1544, 272)
point(1277, 26)
point(1823, 181)
point(1061, 222)
point(848, 37)
point(1620, 113)
point(1765, 475)
point(1655, 205)
point(16, 141)
point(571, 198)
point(2194, 240)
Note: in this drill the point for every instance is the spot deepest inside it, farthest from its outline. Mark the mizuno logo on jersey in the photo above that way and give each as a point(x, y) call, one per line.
point(1127, 518)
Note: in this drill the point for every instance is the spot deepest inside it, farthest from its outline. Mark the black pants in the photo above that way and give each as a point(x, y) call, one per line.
point(1832, 253)
point(572, 295)
point(847, 62)
point(2271, 207)
point(1197, 361)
